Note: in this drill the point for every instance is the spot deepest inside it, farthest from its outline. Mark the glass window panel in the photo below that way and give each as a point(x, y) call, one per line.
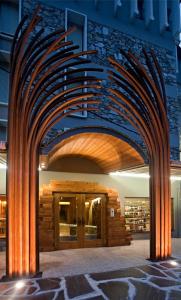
point(4, 84)
point(9, 17)
point(76, 20)
point(137, 214)
point(93, 216)
point(68, 218)
point(76, 36)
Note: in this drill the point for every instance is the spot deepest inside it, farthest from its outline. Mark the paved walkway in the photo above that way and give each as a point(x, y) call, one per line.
point(119, 273)
point(81, 261)
point(158, 281)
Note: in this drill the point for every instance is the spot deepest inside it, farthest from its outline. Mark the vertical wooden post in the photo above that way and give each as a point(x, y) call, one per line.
point(37, 73)
point(144, 106)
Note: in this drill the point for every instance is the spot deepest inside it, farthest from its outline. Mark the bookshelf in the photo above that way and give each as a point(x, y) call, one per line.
point(137, 214)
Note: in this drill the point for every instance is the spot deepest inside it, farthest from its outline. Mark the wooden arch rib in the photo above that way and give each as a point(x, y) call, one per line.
point(38, 100)
point(139, 96)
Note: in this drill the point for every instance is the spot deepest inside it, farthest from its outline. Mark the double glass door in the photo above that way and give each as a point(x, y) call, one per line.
point(79, 220)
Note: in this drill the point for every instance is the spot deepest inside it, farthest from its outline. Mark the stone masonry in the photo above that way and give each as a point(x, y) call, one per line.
point(107, 41)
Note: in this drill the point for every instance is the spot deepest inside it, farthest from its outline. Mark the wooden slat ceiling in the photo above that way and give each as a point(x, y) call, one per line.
point(109, 152)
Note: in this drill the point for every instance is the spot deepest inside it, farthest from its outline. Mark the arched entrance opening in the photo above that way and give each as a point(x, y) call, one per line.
point(87, 206)
point(39, 99)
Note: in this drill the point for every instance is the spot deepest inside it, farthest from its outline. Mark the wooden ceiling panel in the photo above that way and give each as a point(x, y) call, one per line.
point(109, 152)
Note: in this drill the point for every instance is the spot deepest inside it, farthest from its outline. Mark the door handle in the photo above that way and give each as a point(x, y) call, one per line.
point(83, 221)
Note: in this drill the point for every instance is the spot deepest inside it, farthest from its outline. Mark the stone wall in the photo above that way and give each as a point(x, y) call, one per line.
point(46, 223)
point(107, 41)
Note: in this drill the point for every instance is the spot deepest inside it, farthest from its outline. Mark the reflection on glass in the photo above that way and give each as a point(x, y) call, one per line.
point(2, 217)
point(80, 216)
point(68, 218)
point(93, 205)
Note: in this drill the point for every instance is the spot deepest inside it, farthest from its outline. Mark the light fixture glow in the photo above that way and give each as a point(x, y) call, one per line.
point(138, 175)
point(43, 165)
point(19, 284)
point(130, 174)
point(96, 200)
point(173, 263)
point(3, 166)
point(177, 178)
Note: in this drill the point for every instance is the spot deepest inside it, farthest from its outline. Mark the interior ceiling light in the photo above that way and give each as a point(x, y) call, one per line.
point(130, 174)
point(139, 175)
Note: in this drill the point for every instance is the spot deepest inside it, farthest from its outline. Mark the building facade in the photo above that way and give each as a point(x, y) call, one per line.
point(73, 149)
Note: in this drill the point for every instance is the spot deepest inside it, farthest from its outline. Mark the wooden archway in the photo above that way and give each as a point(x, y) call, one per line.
point(38, 100)
point(139, 96)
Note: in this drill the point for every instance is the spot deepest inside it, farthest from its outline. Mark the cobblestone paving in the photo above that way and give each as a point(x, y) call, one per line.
point(156, 281)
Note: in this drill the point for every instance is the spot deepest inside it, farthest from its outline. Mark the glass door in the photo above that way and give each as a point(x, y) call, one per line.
point(94, 220)
point(79, 220)
point(68, 232)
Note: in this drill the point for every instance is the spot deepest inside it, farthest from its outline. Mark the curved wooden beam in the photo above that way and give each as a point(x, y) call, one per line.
point(38, 100)
point(143, 104)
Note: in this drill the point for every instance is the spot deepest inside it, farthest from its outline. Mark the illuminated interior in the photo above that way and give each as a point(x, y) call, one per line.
point(79, 216)
point(2, 217)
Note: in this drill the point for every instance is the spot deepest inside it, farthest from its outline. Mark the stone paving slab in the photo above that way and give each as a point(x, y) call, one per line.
point(129, 272)
point(49, 284)
point(162, 282)
point(174, 295)
point(147, 292)
point(77, 285)
point(151, 270)
point(115, 290)
point(157, 281)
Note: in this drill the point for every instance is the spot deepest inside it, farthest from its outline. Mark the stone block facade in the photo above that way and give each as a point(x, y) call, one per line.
point(107, 41)
point(46, 223)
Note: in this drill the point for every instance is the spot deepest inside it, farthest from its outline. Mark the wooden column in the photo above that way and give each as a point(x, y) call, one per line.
point(144, 106)
point(37, 73)
point(160, 226)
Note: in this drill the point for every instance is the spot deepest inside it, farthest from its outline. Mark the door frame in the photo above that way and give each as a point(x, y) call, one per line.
point(81, 242)
point(115, 231)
